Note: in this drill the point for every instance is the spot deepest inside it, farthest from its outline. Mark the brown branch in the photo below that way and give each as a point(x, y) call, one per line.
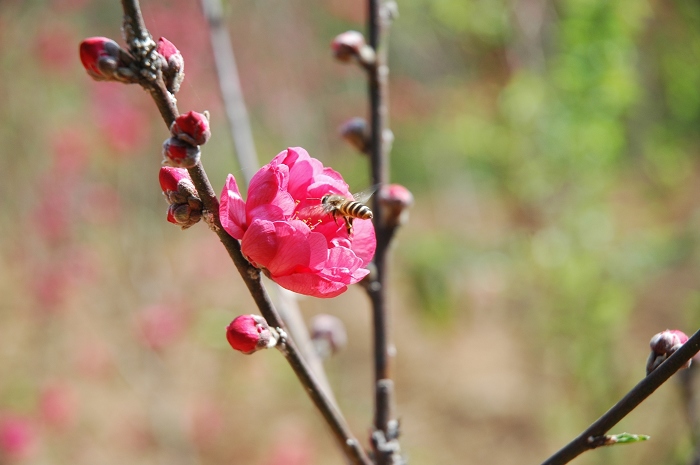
point(643, 389)
point(384, 437)
point(136, 35)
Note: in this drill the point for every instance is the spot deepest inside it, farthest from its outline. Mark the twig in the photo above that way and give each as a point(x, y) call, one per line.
point(690, 402)
point(586, 440)
point(384, 427)
point(230, 85)
point(136, 33)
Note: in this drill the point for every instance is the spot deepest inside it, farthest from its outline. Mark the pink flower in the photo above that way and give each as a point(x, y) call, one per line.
point(284, 230)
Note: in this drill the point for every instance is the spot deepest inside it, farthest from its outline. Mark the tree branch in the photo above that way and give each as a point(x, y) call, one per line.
point(586, 440)
point(385, 429)
point(136, 34)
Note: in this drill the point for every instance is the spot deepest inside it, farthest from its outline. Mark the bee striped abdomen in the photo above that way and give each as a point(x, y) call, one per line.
point(337, 205)
point(356, 210)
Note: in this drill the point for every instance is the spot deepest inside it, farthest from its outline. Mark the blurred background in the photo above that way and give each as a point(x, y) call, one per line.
point(553, 152)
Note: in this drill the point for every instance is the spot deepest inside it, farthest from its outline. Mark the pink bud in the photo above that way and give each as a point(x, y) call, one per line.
point(169, 177)
point(180, 154)
point(249, 333)
point(17, 437)
point(191, 127)
point(328, 334)
point(663, 345)
point(395, 200)
point(100, 58)
point(173, 65)
point(351, 45)
point(185, 207)
point(167, 49)
point(356, 132)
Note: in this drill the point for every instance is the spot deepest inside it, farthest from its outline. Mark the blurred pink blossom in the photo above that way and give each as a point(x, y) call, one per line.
point(293, 446)
point(57, 406)
point(93, 359)
point(70, 149)
point(283, 231)
point(124, 124)
point(50, 47)
point(160, 325)
point(18, 438)
point(206, 423)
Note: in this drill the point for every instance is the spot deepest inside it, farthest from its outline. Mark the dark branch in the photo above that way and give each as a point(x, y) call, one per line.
point(628, 403)
point(135, 30)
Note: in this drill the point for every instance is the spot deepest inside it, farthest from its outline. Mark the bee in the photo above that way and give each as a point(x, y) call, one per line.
point(338, 205)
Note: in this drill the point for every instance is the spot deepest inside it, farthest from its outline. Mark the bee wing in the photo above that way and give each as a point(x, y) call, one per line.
point(312, 211)
point(364, 195)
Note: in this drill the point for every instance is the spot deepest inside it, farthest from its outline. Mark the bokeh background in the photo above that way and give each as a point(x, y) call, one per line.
point(553, 151)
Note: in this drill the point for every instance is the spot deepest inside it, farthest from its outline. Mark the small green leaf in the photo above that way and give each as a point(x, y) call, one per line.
point(628, 438)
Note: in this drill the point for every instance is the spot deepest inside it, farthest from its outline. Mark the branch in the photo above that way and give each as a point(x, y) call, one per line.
point(384, 437)
point(136, 36)
point(587, 440)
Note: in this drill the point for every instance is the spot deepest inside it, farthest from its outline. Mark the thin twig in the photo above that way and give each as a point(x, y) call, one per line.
point(230, 85)
point(251, 275)
point(643, 389)
point(378, 98)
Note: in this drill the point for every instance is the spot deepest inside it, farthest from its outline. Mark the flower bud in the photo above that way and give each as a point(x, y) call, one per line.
point(663, 345)
point(180, 154)
point(192, 127)
point(170, 177)
point(395, 200)
point(99, 56)
point(250, 333)
point(350, 46)
point(103, 60)
point(172, 64)
point(185, 207)
point(356, 132)
point(328, 335)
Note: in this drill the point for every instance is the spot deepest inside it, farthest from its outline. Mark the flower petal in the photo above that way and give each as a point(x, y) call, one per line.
point(232, 209)
point(260, 242)
point(269, 186)
point(311, 284)
point(364, 241)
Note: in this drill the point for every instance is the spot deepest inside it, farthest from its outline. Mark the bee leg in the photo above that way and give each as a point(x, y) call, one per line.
point(348, 224)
